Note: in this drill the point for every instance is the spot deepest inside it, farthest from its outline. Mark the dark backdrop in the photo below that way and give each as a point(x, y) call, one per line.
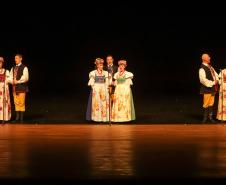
point(163, 52)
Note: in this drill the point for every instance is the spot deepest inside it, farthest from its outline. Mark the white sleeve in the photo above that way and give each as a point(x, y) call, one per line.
point(129, 78)
point(91, 78)
point(25, 77)
point(129, 81)
point(204, 80)
point(10, 78)
point(221, 76)
point(7, 75)
point(115, 79)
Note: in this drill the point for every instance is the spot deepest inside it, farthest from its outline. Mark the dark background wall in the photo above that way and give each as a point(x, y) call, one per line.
point(163, 51)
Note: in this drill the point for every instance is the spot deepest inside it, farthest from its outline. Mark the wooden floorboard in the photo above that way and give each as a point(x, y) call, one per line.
point(79, 152)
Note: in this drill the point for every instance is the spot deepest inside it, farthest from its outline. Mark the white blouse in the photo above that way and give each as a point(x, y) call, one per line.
point(128, 76)
point(94, 73)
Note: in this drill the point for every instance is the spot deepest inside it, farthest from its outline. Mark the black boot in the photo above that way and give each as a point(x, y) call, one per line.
point(17, 117)
point(211, 115)
point(21, 117)
point(205, 115)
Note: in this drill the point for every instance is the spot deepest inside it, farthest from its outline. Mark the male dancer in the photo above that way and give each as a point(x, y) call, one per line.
point(19, 77)
point(209, 86)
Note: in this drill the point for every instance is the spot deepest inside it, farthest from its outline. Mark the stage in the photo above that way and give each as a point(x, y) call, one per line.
point(151, 108)
point(60, 153)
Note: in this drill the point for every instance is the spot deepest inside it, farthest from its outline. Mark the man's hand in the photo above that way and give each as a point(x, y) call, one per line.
point(15, 82)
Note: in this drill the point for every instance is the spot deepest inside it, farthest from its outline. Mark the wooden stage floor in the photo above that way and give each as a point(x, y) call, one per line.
point(67, 152)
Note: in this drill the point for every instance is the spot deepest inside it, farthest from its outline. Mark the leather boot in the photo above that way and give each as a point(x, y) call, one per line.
point(17, 117)
point(205, 115)
point(21, 117)
point(211, 115)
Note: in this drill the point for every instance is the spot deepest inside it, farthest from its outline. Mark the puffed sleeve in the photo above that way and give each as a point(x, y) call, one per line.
point(221, 76)
point(115, 77)
point(7, 75)
point(129, 77)
point(91, 78)
point(10, 77)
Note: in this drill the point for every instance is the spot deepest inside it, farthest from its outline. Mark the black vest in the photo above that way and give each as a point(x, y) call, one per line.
point(23, 87)
point(203, 88)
